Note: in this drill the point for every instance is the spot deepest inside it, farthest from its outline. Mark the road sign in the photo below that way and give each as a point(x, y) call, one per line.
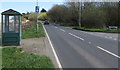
point(37, 9)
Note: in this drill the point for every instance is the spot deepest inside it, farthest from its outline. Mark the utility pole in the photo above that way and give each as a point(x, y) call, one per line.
point(118, 14)
point(80, 12)
point(37, 11)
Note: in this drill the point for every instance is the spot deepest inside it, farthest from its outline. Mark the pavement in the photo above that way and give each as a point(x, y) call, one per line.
point(39, 46)
point(80, 49)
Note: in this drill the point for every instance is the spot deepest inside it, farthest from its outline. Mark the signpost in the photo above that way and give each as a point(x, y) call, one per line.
point(37, 11)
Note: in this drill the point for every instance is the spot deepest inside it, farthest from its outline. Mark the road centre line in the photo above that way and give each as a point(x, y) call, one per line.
point(110, 37)
point(76, 36)
point(115, 39)
point(56, 27)
point(106, 37)
point(62, 30)
point(89, 42)
point(108, 51)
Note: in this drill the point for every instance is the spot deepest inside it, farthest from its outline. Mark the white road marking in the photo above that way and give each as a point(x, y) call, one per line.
point(115, 39)
point(86, 32)
point(108, 51)
point(55, 54)
point(110, 37)
point(56, 27)
point(62, 30)
point(106, 37)
point(100, 33)
point(76, 36)
point(70, 33)
point(89, 42)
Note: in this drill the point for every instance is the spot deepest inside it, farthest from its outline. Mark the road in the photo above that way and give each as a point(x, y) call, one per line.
point(80, 49)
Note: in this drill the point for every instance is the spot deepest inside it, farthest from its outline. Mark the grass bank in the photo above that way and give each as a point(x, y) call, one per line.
point(90, 29)
point(31, 32)
point(0, 58)
point(13, 57)
point(96, 30)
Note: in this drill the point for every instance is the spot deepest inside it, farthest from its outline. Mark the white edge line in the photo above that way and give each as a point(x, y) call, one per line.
point(108, 52)
point(56, 57)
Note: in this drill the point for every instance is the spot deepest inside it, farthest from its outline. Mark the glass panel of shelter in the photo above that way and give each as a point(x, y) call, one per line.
point(3, 23)
point(10, 23)
point(17, 24)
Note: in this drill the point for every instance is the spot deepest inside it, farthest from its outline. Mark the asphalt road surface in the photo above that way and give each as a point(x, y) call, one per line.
point(80, 49)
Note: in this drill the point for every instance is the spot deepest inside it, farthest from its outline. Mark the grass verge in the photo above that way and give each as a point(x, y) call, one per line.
point(13, 57)
point(0, 58)
point(31, 32)
point(96, 30)
point(91, 29)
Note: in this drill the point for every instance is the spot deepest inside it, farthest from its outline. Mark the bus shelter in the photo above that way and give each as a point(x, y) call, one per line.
point(11, 28)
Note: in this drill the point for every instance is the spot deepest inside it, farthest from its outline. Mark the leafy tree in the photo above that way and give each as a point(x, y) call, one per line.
point(94, 14)
point(57, 13)
point(42, 16)
point(111, 10)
